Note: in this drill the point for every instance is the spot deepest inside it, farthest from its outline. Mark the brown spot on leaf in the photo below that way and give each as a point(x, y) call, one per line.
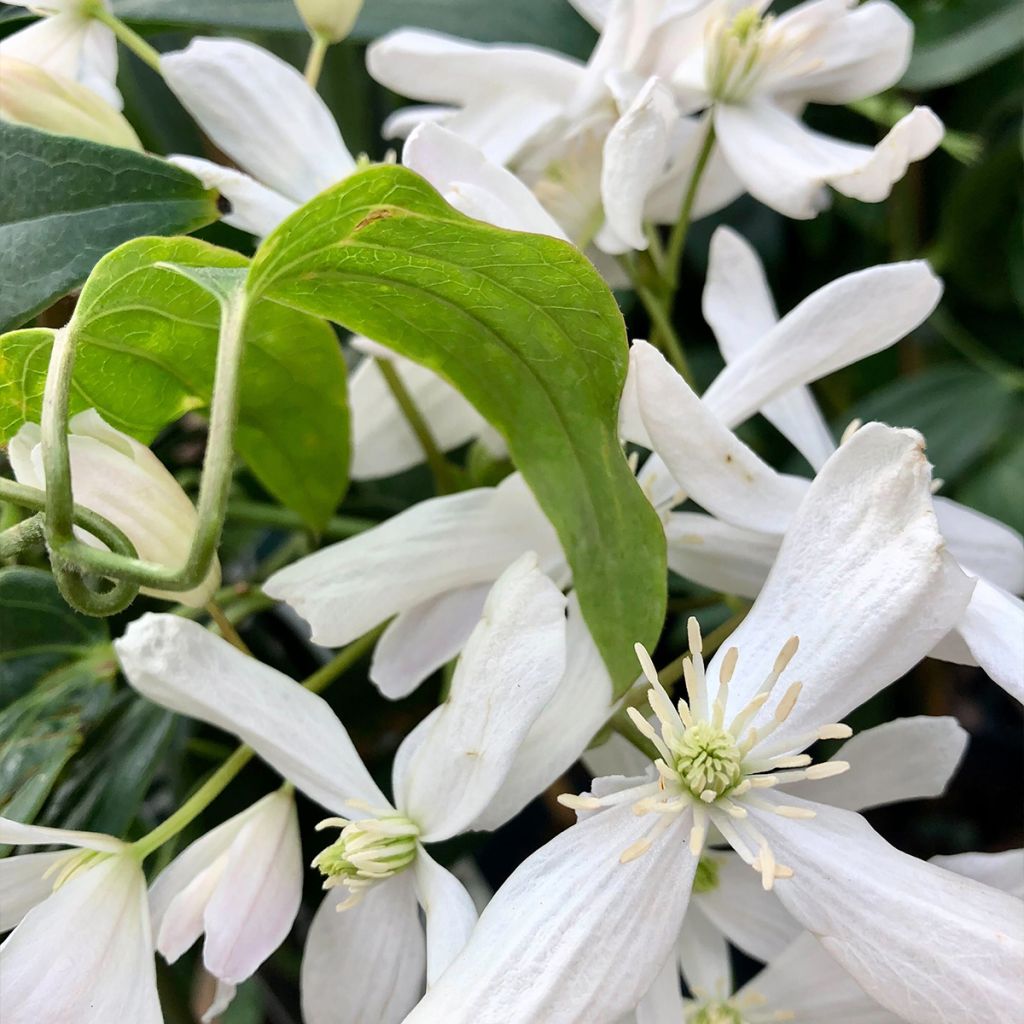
point(375, 215)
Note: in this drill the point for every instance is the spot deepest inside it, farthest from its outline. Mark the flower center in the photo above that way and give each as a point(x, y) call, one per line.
point(714, 1013)
point(736, 51)
point(367, 851)
point(714, 768)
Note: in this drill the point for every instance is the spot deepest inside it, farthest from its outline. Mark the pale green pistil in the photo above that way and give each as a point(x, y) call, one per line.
point(708, 761)
point(715, 1013)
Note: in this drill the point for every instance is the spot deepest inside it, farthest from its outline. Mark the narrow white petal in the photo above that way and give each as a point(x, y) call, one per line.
point(473, 184)
point(18, 834)
point(366, 963)
point(1003, 870)
point(85, 954)
point(178, 664)
point(252, 909)
point(22, 885)
point(462, 752)
point(984, 546)
point(262, 113)
point(719, 556)
point(704, 953)
point(931, 946)
point(448, 911)
point(383, 443)
point(704, 457)
point(254, 207)
point(419, 641)
point(576, 712)
point(907, 759)
point(993, 629)
point(849, 319)
point(861, 578)
point(574, 935)
point(634, 157)
point(753, 920)
point(430, 549)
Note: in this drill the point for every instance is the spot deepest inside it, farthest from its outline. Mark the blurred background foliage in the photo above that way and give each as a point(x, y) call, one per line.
point(77, 750)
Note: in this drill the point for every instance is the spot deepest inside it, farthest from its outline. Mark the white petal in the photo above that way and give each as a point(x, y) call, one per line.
point(254, 207)
point(1003, 871)
point(806, 982)
point(753, 920)
point(383, 443)
point(72, 46)
point(861, 578)
point(858, 53)
point(574, 935)
point(419, 641)
point(436, 546)
point(179, 665)
point(663, 1001)
point(786, 165)
point(719, 556)
point(931, 946)
point(252, 909)
point(462, 751)
point(740, 309)
point(982, 545)
point(847, 320)
point(262, 113)
point(365, 963)
point(576, 712)
point(448, 911)
point(473, 184)
point(634, 158)
point(18, 834)
point(993, 629)
point(704, 954)
point(631, 423)
point(22, 885)
point(704, 457)
point(616, 756)
point(85, 954)
point(223, 995)
point(908, 759)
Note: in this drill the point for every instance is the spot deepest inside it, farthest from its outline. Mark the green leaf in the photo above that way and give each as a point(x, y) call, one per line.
point(542, 22)
point(65, 202)
point(146, 355)
point(526, 329)
point(56, 674)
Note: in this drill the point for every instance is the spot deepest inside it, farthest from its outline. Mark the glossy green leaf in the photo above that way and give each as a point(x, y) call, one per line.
point(551, 23)
point(526, 329)
point(65, 202)
point(146, 355)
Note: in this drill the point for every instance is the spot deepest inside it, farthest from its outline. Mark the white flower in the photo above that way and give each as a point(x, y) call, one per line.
point(71, 43)
point(367, 963)
point(757, 72)
point(576, 934)
point(122, 480)
point(241, 885)
point(31, 95)
point(332, 19)
point(81, 948)
point(751, 503)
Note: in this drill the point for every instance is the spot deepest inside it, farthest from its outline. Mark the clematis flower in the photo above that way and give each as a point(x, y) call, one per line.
point(581, 929)
point(367, 962)
point(81, 948)
point(122, 480)
point(68, 41)
point(33, 96)
point(750, 503)
point(241, 885)
point(755, 73)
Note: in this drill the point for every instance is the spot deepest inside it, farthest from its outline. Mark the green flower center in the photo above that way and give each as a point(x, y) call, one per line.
point(715, 1013)
point(705, 878)
point(708, 761)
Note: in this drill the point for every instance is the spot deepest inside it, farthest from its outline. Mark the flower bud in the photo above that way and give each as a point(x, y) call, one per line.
point(332, 19)
point(32, 96)
point(122, 480)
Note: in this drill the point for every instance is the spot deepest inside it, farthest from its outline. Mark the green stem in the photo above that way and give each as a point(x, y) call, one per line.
point(255, 513)
point(21, 535)
point(315, 61)
point(131, 39)
point(664, 335)
point(219, 780)
point(443, 479)
point(226, 627)
point(677, 239)
point(973, 350)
